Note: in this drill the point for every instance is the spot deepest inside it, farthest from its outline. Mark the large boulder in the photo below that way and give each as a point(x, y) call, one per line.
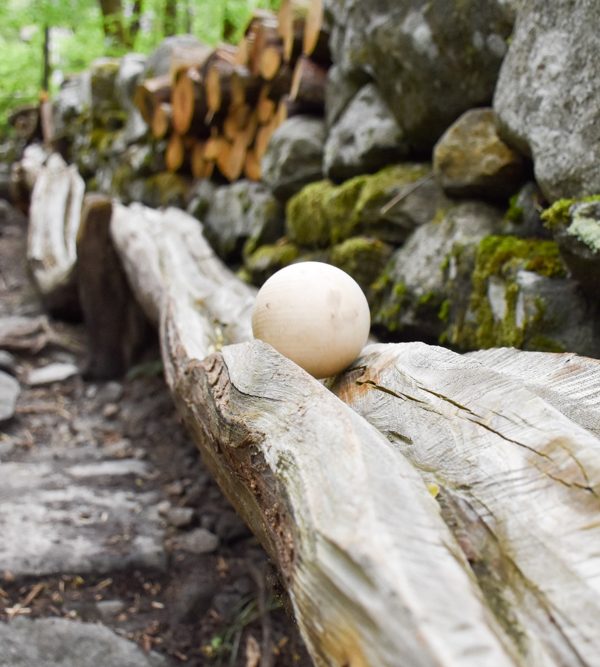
point(365, 138)
point(470, 159)
point(431, 61)
point(547, 95)
point(294, 156)
point(414, 287)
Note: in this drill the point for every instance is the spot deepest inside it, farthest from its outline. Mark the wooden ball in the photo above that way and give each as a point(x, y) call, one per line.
point(315, 314)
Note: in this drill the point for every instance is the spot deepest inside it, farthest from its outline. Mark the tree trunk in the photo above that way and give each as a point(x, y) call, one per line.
point(54, 219)
point(113, 23)
point(117, 329)
point(460, 531)
point(170, 17)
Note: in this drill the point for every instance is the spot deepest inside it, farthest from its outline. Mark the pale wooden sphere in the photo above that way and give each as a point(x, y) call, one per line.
point(315, 314)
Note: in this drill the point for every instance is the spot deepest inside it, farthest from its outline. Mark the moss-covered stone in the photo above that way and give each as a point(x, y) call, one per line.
point(497, 314)
point(364, 259)
point(268, 259)
point(306, 216)
point(323, 213)
point(558, 215)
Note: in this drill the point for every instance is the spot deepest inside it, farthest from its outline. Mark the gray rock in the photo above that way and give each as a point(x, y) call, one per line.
point(431, 61)
point(547, 95)
point(76, 519)
point(72, 100)
point(470, 159)
point(200, 198)
point(57, 642)
point(365, 138)
point(57, 372)
point(294, 156)
point(198, 541)
point(240, 213)
point(108, 609)
point(8, 363)
point(179, 517)
point(523, 216)
point(230, 527)
point(413, 287)
point(341, 89)
point(9, 392)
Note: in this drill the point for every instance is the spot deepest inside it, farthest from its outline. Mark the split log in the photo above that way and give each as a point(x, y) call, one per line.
point(162, 120)
point(262, 31)
point(116, 327)
point(150, 93)
point(252, 166)
point(315, 43)
point(188, 102)
point(218, 73)
point(25, 173)
point(308, 85)
point(375, 577)
point(291, 19)
point(175, 156)
point(513, 455)
point(54, 218)
point(245, 86)
point(182, 58)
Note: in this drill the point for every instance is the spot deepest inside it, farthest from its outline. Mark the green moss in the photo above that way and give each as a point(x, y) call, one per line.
point(558, 214)
point(364, 259)
point(444, 311)
point(268, 259)
point(514, 212)
point(388, 311)
point(306, 217)
point(498, 254)
point(323, 213)
point(546, 344)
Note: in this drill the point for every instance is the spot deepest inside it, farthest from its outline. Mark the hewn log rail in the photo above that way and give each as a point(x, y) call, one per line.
point(500, 568)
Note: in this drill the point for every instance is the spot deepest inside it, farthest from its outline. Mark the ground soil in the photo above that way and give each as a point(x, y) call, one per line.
point(225, 607)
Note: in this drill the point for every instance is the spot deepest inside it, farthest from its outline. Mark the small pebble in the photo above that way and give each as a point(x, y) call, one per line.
point(57, 372)
point(163, 507)
point(180, 517)
point(175, 488)
point(110, 410)
point(108, 609)
point(198, 541)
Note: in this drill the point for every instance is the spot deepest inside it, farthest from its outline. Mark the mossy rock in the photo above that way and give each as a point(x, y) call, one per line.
point(411, 291)
point(364, 259)
point(575, 225)
point(105, 100)
point(308, 218)
point(519, 290)
point(162, 189)
point(267, 259)
point(322, 213)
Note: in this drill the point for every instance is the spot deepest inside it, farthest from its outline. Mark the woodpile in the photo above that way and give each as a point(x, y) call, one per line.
point(219, 108)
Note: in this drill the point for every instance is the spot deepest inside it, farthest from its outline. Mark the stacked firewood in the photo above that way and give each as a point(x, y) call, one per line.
point(219, 107)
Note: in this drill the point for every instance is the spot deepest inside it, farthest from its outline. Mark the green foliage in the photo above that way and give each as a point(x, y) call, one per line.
point(77, 37)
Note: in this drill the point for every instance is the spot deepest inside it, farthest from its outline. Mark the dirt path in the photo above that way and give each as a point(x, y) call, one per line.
point(108, 517)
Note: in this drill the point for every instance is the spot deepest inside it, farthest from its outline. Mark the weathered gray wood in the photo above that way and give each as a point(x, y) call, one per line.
point(116, 327)
point(374, 574)
point(54, 218)
point(518, 477)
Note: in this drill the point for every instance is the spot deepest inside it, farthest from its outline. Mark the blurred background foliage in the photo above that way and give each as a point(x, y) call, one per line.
point(43, 41)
